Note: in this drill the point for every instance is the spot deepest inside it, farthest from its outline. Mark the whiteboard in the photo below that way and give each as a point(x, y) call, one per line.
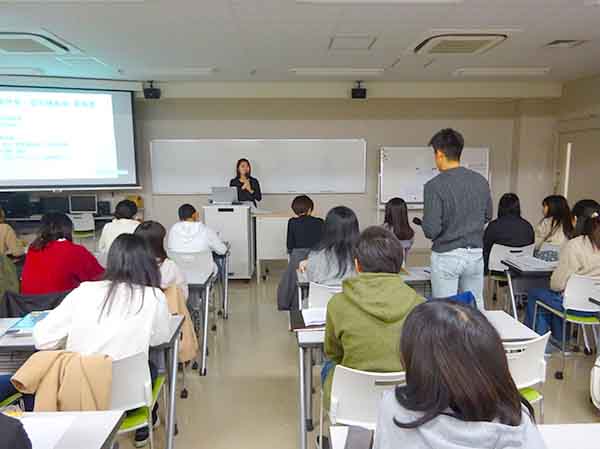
point(404, 171)
point(280, 165)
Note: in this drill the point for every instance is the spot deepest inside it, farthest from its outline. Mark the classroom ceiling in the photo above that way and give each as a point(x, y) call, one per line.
point(263, 40)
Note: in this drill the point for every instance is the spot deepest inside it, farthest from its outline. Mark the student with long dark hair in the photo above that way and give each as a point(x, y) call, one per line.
point(459, 391)
point(120, 316)
point(54, 263)
point(582, 210)
point(509, 229)
point(248, 187)
point(365, 320)
point(580, 255)
point(331, 261)
point(396, 220)
point(557, 226)
point(170, 275)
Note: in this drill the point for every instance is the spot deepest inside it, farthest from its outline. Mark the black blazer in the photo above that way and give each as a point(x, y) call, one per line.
point(13, 434)
point(244, 195)
point(509, 230)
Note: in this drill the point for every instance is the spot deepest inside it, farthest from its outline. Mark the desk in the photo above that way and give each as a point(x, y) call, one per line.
point(520, 281)
point(89, 430)
point(508, 328)
point(560, 436)
point(11, 344)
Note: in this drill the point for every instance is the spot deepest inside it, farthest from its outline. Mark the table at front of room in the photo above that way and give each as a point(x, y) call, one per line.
point(508, 328)
point(14, 345)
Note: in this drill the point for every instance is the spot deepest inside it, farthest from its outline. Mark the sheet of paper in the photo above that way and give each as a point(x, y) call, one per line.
point(530, 263)
point(314, 317)
point(45, 432)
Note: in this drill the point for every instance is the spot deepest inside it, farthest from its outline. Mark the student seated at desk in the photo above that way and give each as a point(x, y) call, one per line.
point(331, 261)
point(154, 235)
point(582, 210)
point(54, 263)
point(396, 220)
point(123, 223)
point(556, 227)
point(9, 245)
point(364, 322)
point(459, 392)
point(303, 233)
point(190, 235)
point(120, 316)
point(581, 256)
point(509, 229)
point(13, 434)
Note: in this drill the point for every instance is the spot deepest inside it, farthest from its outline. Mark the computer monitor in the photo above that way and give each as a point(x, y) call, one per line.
point(83, 204)
point(49, 204)
point(223, 195)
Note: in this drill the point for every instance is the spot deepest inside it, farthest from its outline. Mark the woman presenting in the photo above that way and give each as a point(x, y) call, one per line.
point(248, 188)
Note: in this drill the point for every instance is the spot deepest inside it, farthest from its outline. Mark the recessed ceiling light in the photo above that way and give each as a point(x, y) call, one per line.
point(352, 42)
point(501, 71)
point(338, 71)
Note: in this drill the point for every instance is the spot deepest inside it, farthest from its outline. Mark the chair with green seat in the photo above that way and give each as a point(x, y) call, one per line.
point(576, 300)
point(527, 366)
point(10, 400)
point(133, 392)
point(497, 269)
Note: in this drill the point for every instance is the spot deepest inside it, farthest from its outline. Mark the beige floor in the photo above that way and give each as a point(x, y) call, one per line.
point(249, 398)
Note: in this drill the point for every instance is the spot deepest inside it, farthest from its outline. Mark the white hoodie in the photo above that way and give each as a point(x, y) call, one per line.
point(194, 237)
point(446, 432)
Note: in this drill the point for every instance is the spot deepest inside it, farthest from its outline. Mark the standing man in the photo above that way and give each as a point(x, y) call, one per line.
point(457, 206)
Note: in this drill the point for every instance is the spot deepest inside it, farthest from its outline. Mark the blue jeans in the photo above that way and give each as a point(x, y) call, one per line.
point(458, 271)
point(545, 320)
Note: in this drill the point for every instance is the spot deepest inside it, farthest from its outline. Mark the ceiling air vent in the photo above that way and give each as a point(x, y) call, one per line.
point(25, 43)
point(565, 43)
point(459, 44)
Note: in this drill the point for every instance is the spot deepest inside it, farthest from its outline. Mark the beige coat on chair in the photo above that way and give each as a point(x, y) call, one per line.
point(188, 347)
point(66, 381)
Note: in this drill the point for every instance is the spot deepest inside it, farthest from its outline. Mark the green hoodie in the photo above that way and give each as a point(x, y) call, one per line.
point(364, 324)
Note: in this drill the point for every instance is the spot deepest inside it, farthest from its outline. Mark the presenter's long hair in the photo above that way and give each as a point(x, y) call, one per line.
point(396, 219)
point(130, 265)
point(456, 366)
point(339, 237)
point(237, 167)
point(54, 226)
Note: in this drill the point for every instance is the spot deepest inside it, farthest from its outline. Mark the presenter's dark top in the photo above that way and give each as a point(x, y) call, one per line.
point(244, 195)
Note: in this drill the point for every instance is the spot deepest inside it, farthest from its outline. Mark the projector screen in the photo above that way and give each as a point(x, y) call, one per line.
point(66, 139)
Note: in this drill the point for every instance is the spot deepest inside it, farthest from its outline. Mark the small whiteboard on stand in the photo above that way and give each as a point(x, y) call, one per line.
point(404, 171)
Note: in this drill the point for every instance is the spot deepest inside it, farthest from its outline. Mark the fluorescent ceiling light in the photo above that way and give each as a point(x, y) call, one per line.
point(339, 71)
point(29, 71)
point(381, 2)
point(501, 71)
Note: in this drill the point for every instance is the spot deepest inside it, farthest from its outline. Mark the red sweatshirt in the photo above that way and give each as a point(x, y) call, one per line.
point(61, 265)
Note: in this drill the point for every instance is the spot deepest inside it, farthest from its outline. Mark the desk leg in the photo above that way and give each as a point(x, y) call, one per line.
point(226, 286)
point(172, 390)
point(308, 365)
point(205, 330)
point(302, 397)
point(258, 272)
point(511, 291)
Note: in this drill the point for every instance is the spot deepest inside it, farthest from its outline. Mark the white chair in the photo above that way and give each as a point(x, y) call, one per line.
point(133, 392)
point(319, 295)
point(576, 299)
point(527, 366)
point(497, 269)
point(355, 396)
point(199, 272)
